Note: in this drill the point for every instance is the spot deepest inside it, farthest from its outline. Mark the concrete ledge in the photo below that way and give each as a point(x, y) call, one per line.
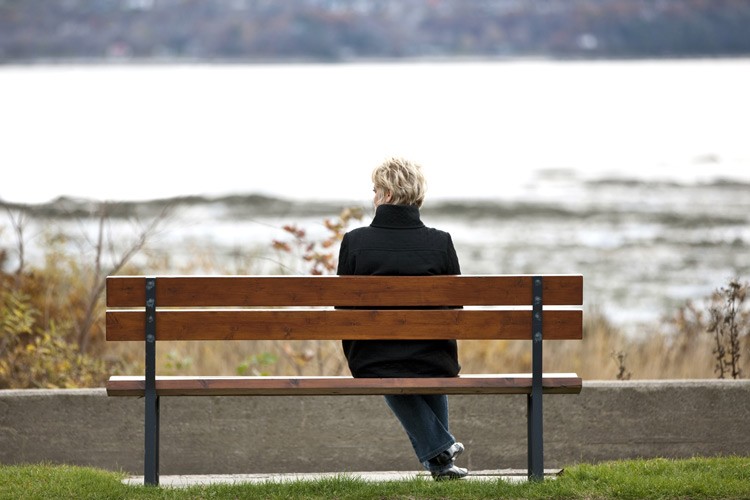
point(241, 435)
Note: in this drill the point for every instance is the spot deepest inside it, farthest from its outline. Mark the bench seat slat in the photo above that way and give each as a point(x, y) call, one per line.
point(280, 324)
point(509, 383)
point(354, 291)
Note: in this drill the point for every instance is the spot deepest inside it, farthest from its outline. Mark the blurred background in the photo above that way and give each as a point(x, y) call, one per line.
point(601, 137)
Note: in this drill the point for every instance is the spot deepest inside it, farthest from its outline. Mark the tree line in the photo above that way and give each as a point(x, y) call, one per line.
point(335, 30)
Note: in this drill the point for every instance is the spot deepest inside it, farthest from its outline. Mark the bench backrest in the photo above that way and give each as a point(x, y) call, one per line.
point(367, 307)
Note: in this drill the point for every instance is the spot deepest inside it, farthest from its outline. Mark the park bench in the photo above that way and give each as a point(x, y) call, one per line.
point(290, 308)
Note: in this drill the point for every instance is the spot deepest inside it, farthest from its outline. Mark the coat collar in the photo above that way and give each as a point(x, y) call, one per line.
point(397, 217)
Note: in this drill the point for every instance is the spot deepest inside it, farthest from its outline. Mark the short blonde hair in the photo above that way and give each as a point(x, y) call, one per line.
point(403, 179)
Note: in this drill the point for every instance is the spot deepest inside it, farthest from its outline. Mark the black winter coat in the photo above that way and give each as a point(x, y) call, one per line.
point(398, 243)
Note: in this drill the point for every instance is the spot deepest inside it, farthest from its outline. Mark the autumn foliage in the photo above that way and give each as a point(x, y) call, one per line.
point(321, 255)
point(52, 325)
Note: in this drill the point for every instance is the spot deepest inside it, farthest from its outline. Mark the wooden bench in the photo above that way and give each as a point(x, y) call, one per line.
point(147, 309)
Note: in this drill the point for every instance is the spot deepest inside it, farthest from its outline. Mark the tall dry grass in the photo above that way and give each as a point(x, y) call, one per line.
point(677, 347)
point(605, 353)
point(683, 346)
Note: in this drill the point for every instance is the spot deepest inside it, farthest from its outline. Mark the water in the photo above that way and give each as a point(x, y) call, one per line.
point(609, 169)
point(314, 131)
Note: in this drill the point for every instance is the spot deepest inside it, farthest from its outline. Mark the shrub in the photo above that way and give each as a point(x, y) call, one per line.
point(319, 255)
point(37, 354)
point(729, 322)
point(52, 323)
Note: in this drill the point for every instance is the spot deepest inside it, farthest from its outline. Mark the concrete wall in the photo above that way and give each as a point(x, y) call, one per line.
point(221, 435)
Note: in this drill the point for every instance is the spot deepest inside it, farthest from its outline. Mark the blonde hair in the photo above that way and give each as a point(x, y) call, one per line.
point(403, 179)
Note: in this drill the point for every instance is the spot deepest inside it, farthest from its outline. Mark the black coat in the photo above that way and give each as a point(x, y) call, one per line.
point(398, 243)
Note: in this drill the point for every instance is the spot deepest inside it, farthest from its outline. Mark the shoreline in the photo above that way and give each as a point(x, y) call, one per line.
point(202, 61)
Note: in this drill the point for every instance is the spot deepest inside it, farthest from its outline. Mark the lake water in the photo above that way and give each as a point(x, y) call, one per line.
point(314, 131)
point(605, 168)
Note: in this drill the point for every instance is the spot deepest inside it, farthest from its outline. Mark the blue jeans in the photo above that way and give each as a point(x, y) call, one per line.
point(425, 420)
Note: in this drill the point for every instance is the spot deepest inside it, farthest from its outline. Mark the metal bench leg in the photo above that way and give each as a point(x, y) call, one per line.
point(151, 459)
point(151, 432)
point(534, 402)
point(535, 442)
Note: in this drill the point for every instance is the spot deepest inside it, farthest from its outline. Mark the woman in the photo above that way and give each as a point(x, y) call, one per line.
point(398, 243)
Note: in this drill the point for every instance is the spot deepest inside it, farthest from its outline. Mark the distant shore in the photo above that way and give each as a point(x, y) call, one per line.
point(261, 204)
point(260, 61)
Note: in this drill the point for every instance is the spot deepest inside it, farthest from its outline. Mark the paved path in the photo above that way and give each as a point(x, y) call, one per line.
point(512, 475)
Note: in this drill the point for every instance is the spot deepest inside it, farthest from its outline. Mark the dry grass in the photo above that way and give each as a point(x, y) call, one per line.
point(658, 354)
point(677, 348)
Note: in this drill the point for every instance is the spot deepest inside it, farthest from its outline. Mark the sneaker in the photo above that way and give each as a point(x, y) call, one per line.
point(448, 456)
point(451, 472)
point(456, 450)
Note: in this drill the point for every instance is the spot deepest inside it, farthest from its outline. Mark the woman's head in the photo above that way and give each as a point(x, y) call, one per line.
point(398, 182)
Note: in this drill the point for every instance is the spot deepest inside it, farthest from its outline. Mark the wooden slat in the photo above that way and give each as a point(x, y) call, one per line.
point(512, 383)
point(280, 324)
point(355, 291)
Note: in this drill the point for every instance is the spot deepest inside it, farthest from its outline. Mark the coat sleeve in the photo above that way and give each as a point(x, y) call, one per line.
point(455, 267)
point(344, 267)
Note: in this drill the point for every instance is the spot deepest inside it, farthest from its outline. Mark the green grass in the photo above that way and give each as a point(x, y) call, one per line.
point(724, 478)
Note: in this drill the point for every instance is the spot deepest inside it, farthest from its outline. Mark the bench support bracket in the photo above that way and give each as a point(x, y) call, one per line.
point(534, 400)
point(151, 456)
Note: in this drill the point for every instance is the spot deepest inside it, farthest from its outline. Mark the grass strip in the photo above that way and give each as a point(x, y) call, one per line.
point(695, 478)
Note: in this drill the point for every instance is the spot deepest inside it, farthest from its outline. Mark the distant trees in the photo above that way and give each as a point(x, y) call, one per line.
point(340, 30)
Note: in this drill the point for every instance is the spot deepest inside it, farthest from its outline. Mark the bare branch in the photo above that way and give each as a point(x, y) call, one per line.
point(99, 275)
point(19, 220)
